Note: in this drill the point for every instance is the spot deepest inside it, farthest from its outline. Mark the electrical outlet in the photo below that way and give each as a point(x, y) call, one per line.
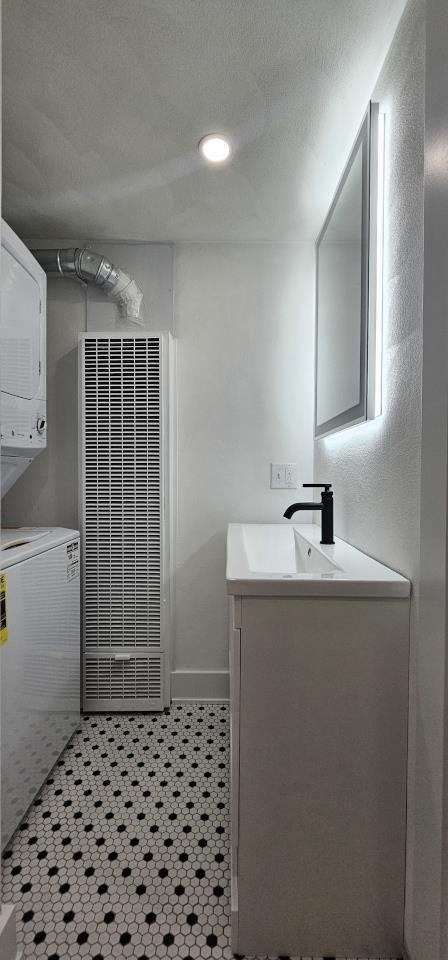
point(283, 476)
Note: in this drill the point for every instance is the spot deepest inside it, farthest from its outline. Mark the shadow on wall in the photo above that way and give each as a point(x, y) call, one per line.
point(47, 493)
point(66, 437)
point(202, 600)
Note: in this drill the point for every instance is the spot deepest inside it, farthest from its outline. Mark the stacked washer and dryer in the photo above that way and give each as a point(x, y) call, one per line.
point(39, 567)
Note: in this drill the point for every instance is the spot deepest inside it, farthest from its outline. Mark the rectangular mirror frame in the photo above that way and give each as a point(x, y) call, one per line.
point(363, 410)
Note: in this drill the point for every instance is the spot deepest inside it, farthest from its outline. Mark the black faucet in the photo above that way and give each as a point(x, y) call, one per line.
point(326, 507)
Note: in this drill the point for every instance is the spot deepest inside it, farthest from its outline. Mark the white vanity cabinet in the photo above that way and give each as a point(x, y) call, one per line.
point(319, 699)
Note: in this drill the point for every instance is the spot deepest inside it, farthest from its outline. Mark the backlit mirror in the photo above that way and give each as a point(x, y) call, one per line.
point(346, 264)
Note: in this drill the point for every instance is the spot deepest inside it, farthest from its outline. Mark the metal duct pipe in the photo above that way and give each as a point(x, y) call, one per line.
point(91, 267)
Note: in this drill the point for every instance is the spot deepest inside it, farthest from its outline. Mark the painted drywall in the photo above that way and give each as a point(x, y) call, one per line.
point(375, 467)
point(7, 918)
point(151, 266)
point(244, 344)
point(426, 928)
point(47, 493)
point(244, 334)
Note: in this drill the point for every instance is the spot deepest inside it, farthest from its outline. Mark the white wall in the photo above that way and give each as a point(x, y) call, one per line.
point(427, 894)
point(244, 331)
point(151, 265)
point(47, 493)
point(243, 323)
point(8, 941)
point(375, 467)
point(390, 476)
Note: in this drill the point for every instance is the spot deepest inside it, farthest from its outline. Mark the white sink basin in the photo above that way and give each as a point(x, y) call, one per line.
point(287, 559)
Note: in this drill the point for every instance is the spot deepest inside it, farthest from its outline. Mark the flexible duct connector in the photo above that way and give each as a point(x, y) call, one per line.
point(91, 267)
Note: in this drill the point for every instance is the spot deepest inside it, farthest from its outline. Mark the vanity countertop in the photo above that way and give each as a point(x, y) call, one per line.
point(287, 559)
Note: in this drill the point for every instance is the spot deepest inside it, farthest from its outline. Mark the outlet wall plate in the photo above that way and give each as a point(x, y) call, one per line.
point(283, 476)
point(290, 476)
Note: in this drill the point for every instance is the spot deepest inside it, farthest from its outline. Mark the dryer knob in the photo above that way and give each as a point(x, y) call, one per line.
point(41, 424)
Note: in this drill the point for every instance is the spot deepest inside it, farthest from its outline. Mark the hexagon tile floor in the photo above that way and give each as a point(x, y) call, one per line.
point(125, 853)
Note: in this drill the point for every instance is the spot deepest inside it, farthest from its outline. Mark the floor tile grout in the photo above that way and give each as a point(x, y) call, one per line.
point(125, 852)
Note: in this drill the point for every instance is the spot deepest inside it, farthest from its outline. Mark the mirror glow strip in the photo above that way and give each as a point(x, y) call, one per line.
point(379, 270)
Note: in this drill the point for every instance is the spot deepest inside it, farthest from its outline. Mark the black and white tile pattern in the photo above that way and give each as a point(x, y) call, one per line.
point(125, 853)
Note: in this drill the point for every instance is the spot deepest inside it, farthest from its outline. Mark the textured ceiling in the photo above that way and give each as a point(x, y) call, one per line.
point(105, 101)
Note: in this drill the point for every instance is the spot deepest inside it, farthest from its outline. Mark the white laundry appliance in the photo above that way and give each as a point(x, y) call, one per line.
point(22, 357)
point(40, 660)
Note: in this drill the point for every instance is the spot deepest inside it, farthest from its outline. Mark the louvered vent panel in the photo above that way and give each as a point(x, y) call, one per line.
point(122, 492)
point(123, 684)
point(122, 482)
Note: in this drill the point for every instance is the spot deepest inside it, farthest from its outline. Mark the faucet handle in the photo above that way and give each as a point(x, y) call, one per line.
point(326, 486)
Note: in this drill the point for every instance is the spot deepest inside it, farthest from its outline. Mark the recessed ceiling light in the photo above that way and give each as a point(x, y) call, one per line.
point(214, 148)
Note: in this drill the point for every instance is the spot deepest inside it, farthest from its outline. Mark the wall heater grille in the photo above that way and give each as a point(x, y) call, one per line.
point(122, 502)
point(109, 681)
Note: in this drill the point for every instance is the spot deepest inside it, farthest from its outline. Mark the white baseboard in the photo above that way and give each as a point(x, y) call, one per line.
point(8, 940)
point(200, 685)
